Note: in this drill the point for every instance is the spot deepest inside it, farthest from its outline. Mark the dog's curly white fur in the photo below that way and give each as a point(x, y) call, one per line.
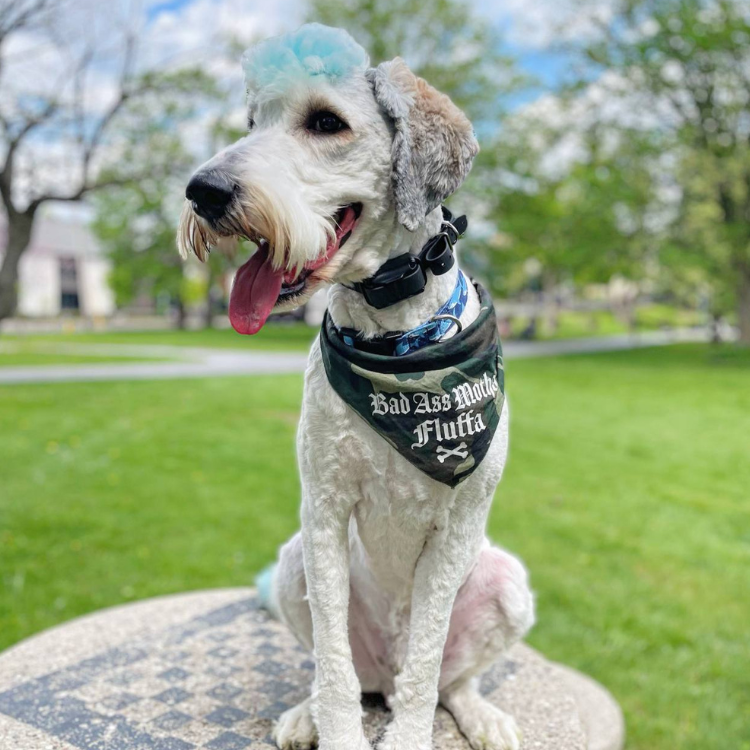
point(391, 579)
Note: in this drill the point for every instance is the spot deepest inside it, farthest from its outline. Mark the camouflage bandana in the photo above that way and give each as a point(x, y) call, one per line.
point(439, 406)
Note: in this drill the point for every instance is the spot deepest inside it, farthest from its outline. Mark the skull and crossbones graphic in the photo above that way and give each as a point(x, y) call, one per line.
point(443, 453)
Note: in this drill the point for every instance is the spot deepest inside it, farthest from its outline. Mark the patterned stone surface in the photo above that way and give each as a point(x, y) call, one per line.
point(211, 671)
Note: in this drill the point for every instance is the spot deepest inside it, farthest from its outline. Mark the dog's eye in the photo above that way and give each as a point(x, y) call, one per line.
point(325, 122)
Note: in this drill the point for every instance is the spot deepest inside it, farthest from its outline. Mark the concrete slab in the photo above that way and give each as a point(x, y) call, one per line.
point(601, 715)
point(209, 670)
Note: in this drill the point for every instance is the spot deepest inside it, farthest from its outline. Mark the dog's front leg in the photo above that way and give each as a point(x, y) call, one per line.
point(440, 570)
point(336, 693)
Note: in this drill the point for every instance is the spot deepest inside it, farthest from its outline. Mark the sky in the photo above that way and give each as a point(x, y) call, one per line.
point(175, 33)
point(530, 30)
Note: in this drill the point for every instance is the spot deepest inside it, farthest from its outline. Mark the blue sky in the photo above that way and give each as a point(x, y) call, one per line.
point(527, 31)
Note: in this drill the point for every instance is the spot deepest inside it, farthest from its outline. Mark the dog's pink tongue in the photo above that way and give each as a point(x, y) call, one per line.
point(254, 293)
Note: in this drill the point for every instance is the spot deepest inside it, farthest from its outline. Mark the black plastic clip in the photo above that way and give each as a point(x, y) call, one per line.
point(399, 278)
point(405, 276)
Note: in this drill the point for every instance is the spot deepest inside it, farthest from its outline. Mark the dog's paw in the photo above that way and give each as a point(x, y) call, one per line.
point(399, 737)
point(394, 742)
point(488, 728)
point(343, 743)
point(295, 729)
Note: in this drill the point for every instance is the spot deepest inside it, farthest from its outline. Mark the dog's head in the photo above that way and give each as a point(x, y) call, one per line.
point(340, 159)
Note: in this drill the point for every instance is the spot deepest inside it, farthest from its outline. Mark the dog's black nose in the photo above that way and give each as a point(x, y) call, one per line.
point(211, 193)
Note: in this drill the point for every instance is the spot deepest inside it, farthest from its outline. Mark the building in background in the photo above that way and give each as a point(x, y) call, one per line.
point(64, 271)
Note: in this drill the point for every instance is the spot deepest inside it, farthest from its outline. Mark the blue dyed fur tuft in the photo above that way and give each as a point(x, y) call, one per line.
point(264, 586)
point(313, 50)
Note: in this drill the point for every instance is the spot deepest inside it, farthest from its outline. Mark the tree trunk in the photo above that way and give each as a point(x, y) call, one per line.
point(715, 328)
point(743, 305)
point(630, 315)
point(208, 312)
point(551, 311)
point(18, 239)
point(208, 319)
point(181, 317)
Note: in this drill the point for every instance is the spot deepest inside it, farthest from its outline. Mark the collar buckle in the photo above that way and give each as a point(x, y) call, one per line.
point(437, 254)
point(445, 316)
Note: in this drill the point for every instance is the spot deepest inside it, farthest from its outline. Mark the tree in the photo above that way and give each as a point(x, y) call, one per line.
point(136, 217)
point(579, 208)
point(67, 75)
point(136, 226)
point(444, 41)
point(685, 68)
point(458, 52)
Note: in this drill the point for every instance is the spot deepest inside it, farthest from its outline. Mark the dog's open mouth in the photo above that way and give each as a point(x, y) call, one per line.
point(259, 287)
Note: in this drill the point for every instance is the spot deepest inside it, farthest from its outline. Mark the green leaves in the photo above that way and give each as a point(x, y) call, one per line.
point(444, 41)
point(136, 217)
point(642, 168)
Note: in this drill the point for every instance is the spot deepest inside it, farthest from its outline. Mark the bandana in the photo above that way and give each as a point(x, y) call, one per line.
point(439, 406)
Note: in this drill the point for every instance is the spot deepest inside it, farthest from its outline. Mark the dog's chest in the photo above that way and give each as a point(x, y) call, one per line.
point(397, 506)
point(393, 524)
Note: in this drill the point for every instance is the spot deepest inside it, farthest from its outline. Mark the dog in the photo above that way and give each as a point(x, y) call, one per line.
point(391, 580)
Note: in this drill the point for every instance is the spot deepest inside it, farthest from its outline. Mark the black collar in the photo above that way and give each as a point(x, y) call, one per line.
point(405, 275)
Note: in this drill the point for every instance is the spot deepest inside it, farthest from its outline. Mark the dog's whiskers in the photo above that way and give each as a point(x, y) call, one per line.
point(203, 236)
point(194, 236)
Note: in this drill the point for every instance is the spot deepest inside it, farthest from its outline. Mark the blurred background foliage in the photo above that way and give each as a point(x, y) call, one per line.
point(625, 183)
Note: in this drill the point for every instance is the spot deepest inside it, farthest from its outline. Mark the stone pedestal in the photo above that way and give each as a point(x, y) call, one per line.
point(209, 670)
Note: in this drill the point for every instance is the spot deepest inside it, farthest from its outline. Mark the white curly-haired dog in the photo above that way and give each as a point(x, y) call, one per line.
point(391, 580)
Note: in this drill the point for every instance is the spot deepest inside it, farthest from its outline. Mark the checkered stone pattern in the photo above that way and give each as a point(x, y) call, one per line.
point(215, 682)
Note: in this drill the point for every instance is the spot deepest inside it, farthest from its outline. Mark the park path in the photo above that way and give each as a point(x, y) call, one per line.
point(194, 362)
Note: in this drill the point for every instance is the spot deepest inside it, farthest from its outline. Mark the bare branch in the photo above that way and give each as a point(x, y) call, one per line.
point(124, 94)
point(6, 174)
point(86, 128)
point(82, 190)
point(23, 16)
point(29, 122)
point(32, 122)
point(13, 18)
point(79, 91)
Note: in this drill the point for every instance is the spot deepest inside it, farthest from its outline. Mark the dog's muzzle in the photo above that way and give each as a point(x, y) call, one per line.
point(210, 193)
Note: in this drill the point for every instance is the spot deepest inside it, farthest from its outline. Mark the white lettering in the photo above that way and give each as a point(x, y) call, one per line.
point(422, 403)
point(379, 405)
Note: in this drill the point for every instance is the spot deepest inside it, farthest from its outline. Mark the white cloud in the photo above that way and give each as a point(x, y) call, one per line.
point(611, 103)
point(544, 23)
point(195, 33)
point(192, 33)
point(42, 63)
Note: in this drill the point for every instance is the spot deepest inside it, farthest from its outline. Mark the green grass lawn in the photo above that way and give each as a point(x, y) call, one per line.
point(276, 337)
point(22, 353)
point(49, 349)
point(573, 324)
point(21, 359)
point(627, 494)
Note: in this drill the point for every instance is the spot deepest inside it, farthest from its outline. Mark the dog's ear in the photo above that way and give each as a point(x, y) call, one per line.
point(433, 144)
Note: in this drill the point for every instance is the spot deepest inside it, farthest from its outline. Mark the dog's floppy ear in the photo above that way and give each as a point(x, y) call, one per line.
point(433, 145)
